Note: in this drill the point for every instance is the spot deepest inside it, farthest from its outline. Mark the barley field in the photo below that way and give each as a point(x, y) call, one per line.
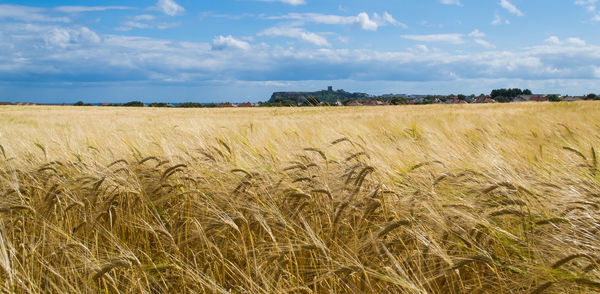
point(403, 199)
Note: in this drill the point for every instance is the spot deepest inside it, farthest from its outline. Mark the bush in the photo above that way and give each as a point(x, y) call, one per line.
point(134, 104)
point(554, 98)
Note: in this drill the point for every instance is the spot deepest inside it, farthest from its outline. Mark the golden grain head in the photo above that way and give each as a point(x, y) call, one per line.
point(420, 199)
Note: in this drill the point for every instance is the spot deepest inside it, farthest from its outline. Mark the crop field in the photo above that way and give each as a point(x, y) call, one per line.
point(500, 198)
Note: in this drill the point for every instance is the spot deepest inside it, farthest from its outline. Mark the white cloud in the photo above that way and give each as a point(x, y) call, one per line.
point(498, 20)
point(590, 6)
point(576, 41)
point(573, 41)
point(221, 42)
point(67, 37)
point(485, 43)
point(291, 2)
point(296, 33)
point(451, 2)
point(510, 7)
point(419, 49)
point(145, 21)
point(476, 34)
point(478, 39)
point(445, 38)
point(169, 7)
point(365, 22)
point(28, 14)
point(554, 40)
point(386, 19)
point(79, 9)
point(361, 20)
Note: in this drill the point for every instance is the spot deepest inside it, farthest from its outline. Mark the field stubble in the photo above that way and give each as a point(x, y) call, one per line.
point(425, 199)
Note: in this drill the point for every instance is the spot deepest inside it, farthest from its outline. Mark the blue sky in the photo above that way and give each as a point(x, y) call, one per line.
point(243, 50)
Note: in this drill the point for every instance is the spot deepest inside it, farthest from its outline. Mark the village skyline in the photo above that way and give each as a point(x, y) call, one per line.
point(339, 97)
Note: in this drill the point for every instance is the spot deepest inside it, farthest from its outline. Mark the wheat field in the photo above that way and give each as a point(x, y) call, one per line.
point(403, 199)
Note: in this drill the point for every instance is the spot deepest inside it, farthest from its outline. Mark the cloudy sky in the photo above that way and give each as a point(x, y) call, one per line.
point(242, 50)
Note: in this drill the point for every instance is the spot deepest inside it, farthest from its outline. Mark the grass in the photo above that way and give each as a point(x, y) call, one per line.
point(418, 199)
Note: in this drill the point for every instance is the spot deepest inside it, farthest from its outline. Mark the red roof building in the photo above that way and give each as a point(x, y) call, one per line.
point(538, 98)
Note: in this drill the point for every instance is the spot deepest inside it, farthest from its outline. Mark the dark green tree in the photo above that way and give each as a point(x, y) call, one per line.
point(554, 98)
point(398, 101)
point(79, 103)
point(134, 104)
point(509, 94)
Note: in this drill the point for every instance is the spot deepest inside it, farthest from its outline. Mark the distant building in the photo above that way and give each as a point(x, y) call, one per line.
point(226, 104)
point(5, 103)
point(246, 104)
point(538, 98)
point(354, 103)
point(572, 98)
point(456, 101)
point(370, 102)
point(485, 99)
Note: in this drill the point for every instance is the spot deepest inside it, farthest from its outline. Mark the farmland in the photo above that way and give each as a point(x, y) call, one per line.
point(499, 198)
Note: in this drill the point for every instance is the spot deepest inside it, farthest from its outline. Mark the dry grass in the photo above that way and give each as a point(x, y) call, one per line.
point(427, 199)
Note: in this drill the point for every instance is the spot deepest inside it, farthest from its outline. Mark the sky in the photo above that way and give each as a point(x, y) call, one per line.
point(64, 51)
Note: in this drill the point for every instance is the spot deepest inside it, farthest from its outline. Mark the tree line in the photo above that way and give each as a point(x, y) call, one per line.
point(499, 95)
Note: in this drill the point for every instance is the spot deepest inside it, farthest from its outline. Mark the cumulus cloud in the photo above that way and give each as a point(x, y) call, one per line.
point(221, 43)
point(365, 22)
point(169, 7)
point(64, 37)
point(554, 40)
point(296, 33)
point(510, 7)
point(576, 41)
point(476, 34)
point(444, 38)
point(291, 2)
point(362, 20)
point(571, 41)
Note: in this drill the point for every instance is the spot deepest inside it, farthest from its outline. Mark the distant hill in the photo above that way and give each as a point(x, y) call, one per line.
point(328, 95)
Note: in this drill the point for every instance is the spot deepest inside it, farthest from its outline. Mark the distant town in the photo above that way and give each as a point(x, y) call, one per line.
point(331, 97)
